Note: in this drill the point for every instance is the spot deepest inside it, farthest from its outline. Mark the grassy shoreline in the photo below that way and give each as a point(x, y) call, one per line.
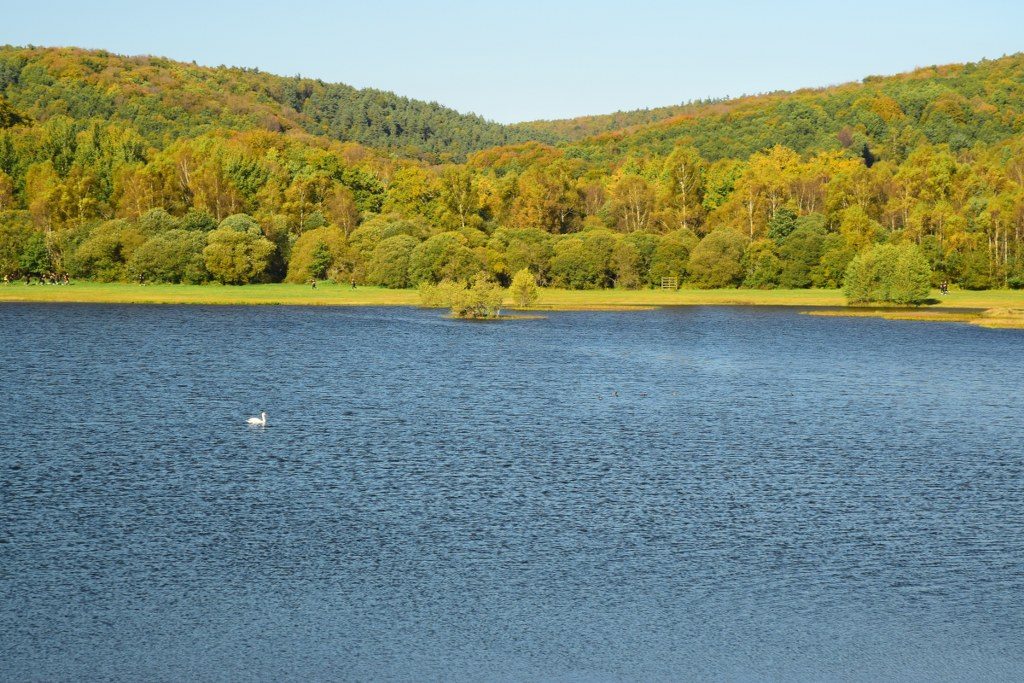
point(992, 318)
point(330, 294)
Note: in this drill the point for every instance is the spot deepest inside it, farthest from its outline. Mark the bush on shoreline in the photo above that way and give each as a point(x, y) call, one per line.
point(479, 300)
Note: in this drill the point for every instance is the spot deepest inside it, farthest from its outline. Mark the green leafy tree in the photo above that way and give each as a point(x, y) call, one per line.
point(6, 192)
point(517, 249)
point(912, 276)
point(717, 261)
point(315, 253)
point(104, 253)
point(782, 224)
point(443, 257)
point(523, 289)
point(626, 266)
point(241, 222)
point(631, 259)
point(762, 265)
point(836, 254)
point(888, 273)
point(9, 117)
point(800, 252)
point(198, 220)
point(320, 262)
point(16, 233)
point(237, 256)
point(35, 256)
point(172, 256)
point(389, 263)
point(583, 260)
point(157, 221)
point(672, 255)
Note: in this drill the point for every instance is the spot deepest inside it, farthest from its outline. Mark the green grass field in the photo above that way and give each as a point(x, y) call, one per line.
point(326, 294)
point(329, 294)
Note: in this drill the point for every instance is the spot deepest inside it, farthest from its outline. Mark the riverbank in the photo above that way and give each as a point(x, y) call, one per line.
point(330, 294)
point(992, 318)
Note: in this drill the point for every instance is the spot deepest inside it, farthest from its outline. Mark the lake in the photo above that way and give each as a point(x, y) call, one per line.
point(680, 494)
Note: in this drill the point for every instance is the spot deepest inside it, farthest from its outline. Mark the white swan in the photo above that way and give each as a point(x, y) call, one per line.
point(261, 420)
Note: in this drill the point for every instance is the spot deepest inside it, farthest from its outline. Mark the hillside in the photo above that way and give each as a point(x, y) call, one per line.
point(163, 100)
point(959, 105)
point(126, 168)
point(578, 128)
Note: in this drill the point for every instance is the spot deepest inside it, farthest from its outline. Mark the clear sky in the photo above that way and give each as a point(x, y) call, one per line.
point(515, 61)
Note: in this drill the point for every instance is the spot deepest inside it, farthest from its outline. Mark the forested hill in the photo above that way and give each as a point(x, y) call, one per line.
point(960, 105)
point(165, 100)
point(580, 127)
point(115, 168)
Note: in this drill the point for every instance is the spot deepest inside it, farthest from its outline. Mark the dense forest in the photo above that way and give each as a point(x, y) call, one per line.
point(128, 168)
point(161, 100)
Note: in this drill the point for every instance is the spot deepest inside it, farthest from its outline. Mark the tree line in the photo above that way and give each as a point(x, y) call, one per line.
point(162, 99)
point(103, 205)
point(108, 199)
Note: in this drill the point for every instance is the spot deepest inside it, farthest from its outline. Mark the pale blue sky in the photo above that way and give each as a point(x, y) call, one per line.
point(517, 61)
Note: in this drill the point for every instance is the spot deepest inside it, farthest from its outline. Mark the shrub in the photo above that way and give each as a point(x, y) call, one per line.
point(438, 295)
point(480, 300)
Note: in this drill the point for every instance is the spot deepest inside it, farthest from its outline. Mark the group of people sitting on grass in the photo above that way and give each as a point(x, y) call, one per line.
point(43, 278)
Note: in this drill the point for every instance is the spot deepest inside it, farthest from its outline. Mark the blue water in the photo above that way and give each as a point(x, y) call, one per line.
point(681, 494)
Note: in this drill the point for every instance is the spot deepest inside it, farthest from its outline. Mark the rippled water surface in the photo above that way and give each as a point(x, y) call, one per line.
point(703, 493)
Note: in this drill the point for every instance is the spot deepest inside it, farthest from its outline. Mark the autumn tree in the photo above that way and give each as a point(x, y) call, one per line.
point(340, 206)
point(459, 198)
point(683, 176)
point(314, 253)
point(632, 199)
point(548, 198)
